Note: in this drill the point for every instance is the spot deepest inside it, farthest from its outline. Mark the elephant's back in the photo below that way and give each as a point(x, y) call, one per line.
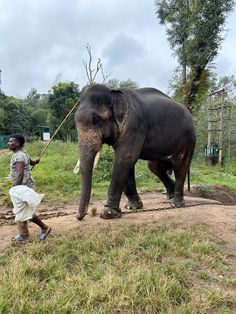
point(160, 104)
point(150, 92)
point(166, 119)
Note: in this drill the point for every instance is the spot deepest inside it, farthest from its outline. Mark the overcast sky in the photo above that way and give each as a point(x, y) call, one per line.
point(43, 43)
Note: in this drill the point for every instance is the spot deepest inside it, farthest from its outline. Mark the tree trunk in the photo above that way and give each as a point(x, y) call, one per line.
point(193, 88)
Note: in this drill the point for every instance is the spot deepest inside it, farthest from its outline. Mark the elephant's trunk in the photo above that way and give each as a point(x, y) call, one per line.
point(86, 168)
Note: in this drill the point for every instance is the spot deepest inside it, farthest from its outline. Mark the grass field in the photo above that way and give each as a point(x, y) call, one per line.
point(133, 269)
point(152, 268)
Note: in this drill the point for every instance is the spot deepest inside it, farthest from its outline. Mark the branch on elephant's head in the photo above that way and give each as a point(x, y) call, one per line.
point(92, 73)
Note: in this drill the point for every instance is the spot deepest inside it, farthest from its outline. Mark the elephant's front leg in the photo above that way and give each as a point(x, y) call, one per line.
point(122, 165)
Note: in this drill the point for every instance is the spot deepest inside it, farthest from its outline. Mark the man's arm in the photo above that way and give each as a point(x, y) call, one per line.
point(20, 173)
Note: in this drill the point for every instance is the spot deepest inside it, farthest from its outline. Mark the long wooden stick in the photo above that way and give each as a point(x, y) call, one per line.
point(45, 148)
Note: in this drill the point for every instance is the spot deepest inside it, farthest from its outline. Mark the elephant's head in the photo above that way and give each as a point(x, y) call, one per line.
point(100, 118)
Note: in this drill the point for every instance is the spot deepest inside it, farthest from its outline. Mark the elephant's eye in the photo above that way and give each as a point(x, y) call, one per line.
point(96, 119)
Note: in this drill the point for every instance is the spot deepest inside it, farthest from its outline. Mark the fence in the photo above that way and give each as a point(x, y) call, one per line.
point(3, 140)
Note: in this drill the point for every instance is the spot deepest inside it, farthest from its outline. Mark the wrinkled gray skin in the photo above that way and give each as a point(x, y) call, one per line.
point(140, 124)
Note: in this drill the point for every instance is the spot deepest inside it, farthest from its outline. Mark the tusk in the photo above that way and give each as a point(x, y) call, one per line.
point(96, 159)
point(76, 169)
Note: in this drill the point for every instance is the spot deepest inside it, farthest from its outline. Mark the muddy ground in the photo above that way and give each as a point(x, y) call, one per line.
point(216, 208)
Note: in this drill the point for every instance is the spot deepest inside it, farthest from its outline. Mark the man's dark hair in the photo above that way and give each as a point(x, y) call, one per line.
point(20, 138)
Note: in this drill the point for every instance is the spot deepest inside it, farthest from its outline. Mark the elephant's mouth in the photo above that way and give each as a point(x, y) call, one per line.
point(108, 140)
point(110, 135)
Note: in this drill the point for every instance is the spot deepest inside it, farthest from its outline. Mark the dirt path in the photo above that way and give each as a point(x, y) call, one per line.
point(220, 218)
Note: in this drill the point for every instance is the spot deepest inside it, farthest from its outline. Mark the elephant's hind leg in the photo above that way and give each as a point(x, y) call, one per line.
point(162, 169)
point(181, 167)
point(130, 190)
point(178, 199)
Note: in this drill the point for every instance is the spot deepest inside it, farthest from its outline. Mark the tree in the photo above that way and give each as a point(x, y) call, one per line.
point(195, 32)
point(178, 89)
point(32, 99)
point(1, 117)
point(228, 83)
point(39, 109)
point(61, 99)
point(15, 117)
point(2, 111)
point(40, 117)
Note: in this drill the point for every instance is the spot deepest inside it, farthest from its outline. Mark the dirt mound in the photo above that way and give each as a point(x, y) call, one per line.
point(215, 192)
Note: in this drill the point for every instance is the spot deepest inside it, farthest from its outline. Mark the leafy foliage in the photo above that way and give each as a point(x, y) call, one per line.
point(228, 83)
point(14, 116)
point(33, 99)
point(61, 99)
point(195, 32)
point(40, 117)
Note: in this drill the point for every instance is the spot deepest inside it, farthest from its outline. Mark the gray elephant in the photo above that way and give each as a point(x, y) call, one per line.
point(139, 124)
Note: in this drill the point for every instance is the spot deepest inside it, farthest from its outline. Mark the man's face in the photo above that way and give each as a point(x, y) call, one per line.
point(13, 144)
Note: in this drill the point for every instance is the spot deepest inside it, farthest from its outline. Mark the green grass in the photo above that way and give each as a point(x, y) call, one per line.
point(132, 269)
point(54, 175)
point(216, 175)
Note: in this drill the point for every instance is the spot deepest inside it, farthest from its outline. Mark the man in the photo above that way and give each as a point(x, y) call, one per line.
point(20, 175)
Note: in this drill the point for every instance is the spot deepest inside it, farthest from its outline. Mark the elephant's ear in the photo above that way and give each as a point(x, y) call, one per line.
point(119, 108)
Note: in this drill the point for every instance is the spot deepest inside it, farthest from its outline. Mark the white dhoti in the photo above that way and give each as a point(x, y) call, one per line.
point(25, 201)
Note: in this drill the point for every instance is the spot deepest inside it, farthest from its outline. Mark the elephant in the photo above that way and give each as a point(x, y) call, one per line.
point(143, 124)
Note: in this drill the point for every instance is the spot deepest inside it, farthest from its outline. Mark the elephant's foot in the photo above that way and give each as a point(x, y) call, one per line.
point(80, 216)
point(169, 195)
point(134, 205)
point(110, 213)
point(169, 192)
point(178, 201)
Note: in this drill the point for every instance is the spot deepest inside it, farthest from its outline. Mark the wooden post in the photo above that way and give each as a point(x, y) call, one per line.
point(221, 132)
point(209, 123)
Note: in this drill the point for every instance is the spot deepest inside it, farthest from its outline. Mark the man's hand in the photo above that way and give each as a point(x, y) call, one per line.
point(34, 162)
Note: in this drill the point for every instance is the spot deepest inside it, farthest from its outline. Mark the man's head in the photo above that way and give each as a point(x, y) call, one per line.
point(16, 141)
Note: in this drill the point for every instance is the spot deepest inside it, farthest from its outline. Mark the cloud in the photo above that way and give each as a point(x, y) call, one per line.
point(42, 40)
point(123, 49)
